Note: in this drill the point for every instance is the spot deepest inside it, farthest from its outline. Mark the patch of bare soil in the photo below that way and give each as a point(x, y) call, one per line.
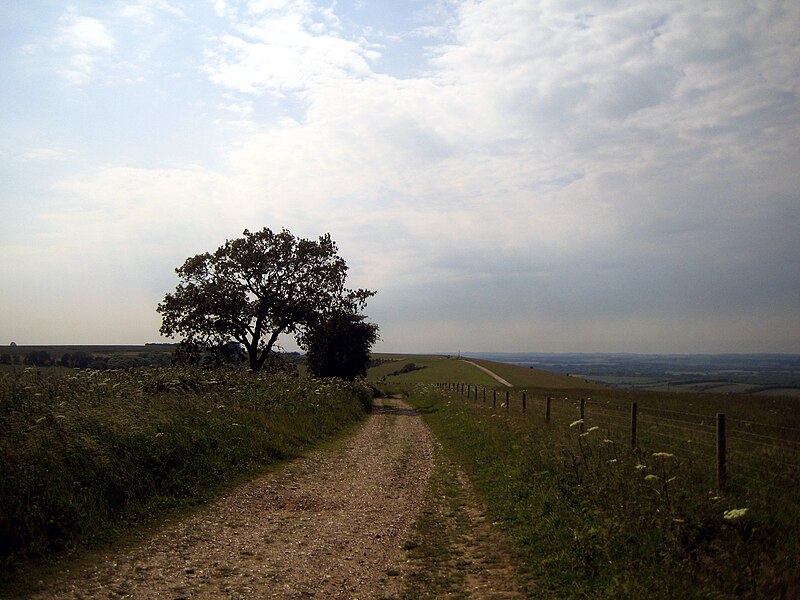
point(330, 525)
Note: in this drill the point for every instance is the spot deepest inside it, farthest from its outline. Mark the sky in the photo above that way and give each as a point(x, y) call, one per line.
point(508, 175)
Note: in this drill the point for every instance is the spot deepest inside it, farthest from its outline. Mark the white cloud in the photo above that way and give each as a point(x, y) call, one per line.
point(85, 34)
point(57, 154)
point(290, 47)
point(146, 11)
point(612, 165)
point(83, 43)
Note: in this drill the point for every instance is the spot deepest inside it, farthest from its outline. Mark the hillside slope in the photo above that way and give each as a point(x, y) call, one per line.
point(445, 369)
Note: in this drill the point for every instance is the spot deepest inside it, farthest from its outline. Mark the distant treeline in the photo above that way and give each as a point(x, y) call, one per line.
point(102, 358)
point(84, 360)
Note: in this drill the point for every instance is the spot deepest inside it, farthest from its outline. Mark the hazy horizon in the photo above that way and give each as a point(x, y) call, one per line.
point(514, 174)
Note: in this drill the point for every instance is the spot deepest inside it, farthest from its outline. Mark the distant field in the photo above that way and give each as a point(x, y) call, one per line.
point(756, 374)
point(432, 369)
point(444, 369)
point(659, 384)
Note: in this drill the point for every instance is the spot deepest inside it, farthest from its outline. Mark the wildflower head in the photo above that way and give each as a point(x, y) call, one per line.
point(734, 513)
point(651, 477)
point(663, 455)
point(640, 467)
point(576, 423)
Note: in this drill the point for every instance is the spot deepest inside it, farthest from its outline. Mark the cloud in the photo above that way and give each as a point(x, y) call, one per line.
point(287, 47)
point(84, 34)
point(86, 41)
point(573, 129)
point(147, 12)
point(47, 154)
point(553, 170)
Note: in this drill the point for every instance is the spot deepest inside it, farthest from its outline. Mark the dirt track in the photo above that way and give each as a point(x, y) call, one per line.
point(330, 525)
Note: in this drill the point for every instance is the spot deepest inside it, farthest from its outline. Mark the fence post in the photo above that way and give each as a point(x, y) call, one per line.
point(634, 419)
point(494, 398)
point(524, 402)
point(484, 395)
point(722, 473)
point(476, 392)
point(508, 400)
point(583, 412)
point(547, 409)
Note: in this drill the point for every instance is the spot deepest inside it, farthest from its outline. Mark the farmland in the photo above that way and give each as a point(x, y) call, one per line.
point(758, 374)
point(592, 517)
point(585, 512)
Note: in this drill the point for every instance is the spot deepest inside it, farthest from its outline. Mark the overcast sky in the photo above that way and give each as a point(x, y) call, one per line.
point(509, 175)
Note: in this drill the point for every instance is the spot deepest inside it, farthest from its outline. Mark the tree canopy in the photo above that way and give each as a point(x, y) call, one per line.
point(339, 345)
point(254, 288)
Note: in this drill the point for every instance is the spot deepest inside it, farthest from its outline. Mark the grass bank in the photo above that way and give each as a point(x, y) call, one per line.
point(593, 519)
point(86, 454)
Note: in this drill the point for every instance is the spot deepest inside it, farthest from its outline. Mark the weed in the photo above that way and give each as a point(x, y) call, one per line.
point(594, 519)
point(84, 454)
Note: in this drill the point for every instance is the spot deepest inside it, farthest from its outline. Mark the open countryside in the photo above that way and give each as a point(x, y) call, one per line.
point(380, 300)
point(515, 494)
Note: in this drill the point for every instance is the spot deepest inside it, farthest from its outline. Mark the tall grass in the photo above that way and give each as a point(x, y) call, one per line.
point(591, 518)
point(85, 452)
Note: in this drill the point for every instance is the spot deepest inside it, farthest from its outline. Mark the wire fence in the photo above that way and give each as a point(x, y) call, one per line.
point(762, 458)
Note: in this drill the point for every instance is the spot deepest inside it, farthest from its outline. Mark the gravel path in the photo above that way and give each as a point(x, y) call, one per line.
point(490, 373)
point(330, 525)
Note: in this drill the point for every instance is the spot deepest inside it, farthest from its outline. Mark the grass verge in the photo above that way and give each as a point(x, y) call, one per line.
point(85, 455)
point(593, 520)
point(432, 546)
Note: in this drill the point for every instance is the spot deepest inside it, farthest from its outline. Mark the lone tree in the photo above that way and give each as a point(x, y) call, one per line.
point(339, 345)
point(255, 288)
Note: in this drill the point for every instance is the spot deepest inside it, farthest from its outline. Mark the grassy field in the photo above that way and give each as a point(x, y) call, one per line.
point(592, 518)
point(446, 369)
point(86, 454)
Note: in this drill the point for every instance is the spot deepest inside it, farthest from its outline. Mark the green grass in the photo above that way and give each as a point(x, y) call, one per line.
point(535, 378)
point(85, 454)
point(593, 519)
point(443, 369)
point(438, 529)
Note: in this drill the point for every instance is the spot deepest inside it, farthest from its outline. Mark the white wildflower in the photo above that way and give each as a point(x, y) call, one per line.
point(734, 513)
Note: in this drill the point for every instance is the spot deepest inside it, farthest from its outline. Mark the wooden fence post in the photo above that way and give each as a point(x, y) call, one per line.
point(634, 419)
point(476, 392)
point(547, 410)
point(494, 398)
point(524, 402)
point(722, 472)
point(508, 400)
point(583, 412)
point(484, 395)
